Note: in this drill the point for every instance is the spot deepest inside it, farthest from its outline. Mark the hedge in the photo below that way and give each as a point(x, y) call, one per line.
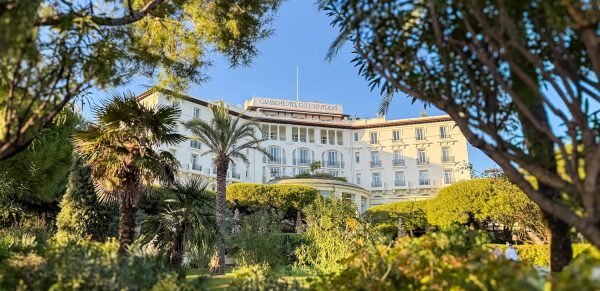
point(264, 196)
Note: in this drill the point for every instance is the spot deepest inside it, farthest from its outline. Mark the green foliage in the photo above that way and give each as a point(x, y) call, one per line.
point(39, 174)
point(386, 216)
point(581, 273)
point(261, 241)
point(53, 51)
point(449, 260)
point(74, 263)
point(286, 198)
point(81, 213)
point(186, 223)
point(121, 149)
point(332, 230)
point(259, 277)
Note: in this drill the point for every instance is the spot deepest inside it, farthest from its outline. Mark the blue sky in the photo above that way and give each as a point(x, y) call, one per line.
point(302, 37)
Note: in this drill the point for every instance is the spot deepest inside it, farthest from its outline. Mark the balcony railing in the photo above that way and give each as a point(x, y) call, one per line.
point(333, 164)
point(302, 162)
point(276, 160)
point(448, 181)
point(399, 162)
point(235, 176)
point(400, 183)
point(425, 182)
point(447, 159)
point(375, 164)
point(376, 184)
point(421, 162)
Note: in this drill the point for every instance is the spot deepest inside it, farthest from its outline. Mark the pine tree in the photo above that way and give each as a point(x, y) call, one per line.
point(81, 213)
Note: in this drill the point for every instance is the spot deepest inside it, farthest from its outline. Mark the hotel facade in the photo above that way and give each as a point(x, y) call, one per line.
point(389, 160)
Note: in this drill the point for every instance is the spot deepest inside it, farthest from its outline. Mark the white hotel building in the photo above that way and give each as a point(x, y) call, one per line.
point(394, 160)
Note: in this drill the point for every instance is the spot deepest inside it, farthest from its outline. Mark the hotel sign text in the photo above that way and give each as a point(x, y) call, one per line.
point(296, 105)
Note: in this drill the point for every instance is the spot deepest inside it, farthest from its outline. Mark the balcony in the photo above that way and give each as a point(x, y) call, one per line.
point(302, 162)
point(235, 176)
point(375, 164)
point(423, 162)
point(399, 162)
point(375, 184)
point(400, 183)
point(447, 159)
point(333, 164)
point(425, 182)
point(276, 160)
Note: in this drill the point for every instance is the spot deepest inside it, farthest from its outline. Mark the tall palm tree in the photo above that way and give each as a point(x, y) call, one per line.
point(187, 222)
point(226, 138)
point(121, 152)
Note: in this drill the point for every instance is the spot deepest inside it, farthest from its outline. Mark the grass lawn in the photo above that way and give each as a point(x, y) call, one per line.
point(221, 282)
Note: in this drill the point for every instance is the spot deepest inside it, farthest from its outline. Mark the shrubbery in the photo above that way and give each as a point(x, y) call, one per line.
point(286, 198)
point(75, 263)
point(457, 259)
point(81, 213)
point(261, 241)
point(385, 217)
point(332, 227)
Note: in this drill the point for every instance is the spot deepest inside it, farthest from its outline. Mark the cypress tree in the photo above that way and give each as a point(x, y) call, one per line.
point(81, 213)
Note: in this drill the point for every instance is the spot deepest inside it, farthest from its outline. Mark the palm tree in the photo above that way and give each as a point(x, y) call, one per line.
point(187, 221)
point(226, 137)
point(121, 152)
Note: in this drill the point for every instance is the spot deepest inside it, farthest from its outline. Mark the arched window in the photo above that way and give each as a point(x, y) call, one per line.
point(303, 156)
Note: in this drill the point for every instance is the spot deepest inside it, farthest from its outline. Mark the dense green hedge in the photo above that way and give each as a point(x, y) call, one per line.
point(263, 196)
point(385, 217)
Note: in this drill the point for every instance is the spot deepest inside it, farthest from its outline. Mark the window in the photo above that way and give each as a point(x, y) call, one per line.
point(195, 144)
point(374, 138)
point(419, 133)
point(355, 136)
point(196, 113)
point(302, 134)
point(396, 135)
point(446, 157)
point(424, 178)
point(304, 156)
point(375, 156)
point(275, 153)
point(399, 180)
point(331, 136)
point(357, 157)
point(335, 173)
point(398, 159)
point(358, 178)
point(376, 180)
point(273, 132)
point(444, 132)
point(295, 135)
point(421, 157)
point(340, 137)
point(195, 163)
point(275, 172)
point(448, 177)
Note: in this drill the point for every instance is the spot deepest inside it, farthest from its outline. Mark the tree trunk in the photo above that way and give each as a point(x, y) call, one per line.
point(561, 250)
point(176, 249)
point(126, 225)
point(218, 261)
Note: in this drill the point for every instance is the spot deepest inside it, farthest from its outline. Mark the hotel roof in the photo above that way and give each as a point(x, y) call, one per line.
point(343, 124)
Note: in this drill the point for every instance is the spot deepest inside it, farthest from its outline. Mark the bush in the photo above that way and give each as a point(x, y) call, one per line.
point(81, 213)
point(286, 198)
point(74, 263)
point(449, 260)
point(332, 228)
point(261, 241)
point(259, 277)
point(385, 217)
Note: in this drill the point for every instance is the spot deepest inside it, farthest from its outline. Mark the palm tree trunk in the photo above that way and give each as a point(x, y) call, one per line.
point(126, 225)
point(176, 250)
point(218, 261)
